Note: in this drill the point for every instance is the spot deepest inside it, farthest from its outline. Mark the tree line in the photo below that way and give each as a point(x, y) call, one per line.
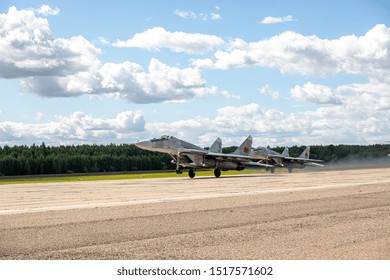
point(42, 159)
point(36, 160)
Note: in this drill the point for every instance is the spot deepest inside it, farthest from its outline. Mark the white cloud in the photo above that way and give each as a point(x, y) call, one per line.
point(309, 55)
point(268, 90)
point(59, 67)
point(29, 49)
point(46, 10)
point(228, 95)
point(369, 97)
point(376, 103)
point(38, 116)
point(232, 123)
point(76, 128)
point(360, 112)
point(157, 38)
point(372, 86)
point(355, 113)
point(160, 83)
point(51, 66)
point(176, 101)
point(270, 20)
point(127, 81)
point(102, 40)
point(357, 120)
point(315, 93)
point(201, 16)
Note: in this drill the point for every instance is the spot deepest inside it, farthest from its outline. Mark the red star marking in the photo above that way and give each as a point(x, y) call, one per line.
point(196, 158)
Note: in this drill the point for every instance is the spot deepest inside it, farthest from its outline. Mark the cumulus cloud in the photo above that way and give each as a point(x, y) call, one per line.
point(160, 83)
point(157, 38)
point(232, 123)
point(359, 112)
point(370, 97)
point(270, 20)
point(356, 120)
point(78, 127)
point(51, 66)
point(354, 113)
point(46, 10)
point(29, 49)
point(59, 67)
point(267, 90)
point(38, 116)
point(336, 124)
point(228, 95)
point(102, 40)
point(127, 81)
point(202, 16)
point(292, 52)
point(315, 93)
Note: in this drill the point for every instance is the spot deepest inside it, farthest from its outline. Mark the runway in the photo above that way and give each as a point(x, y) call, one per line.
point(337, 214)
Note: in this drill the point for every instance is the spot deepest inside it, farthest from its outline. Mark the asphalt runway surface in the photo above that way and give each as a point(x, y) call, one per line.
point(333, 214)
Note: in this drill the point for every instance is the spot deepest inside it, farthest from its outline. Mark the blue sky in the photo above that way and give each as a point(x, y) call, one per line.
point(286, 72)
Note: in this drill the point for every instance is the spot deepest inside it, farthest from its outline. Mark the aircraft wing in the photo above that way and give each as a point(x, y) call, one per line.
point(218, 156)
point(296, 159)
point(314, 164)
point(274, 156)
point(246, 160)
point(257, 164)
point(302, 160)
point(221, 156)
point(191, 151)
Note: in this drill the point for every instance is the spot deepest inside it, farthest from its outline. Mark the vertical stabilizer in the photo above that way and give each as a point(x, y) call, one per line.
point(305, 153)
point(216, 147)
point(245, 148)
point(286, 152)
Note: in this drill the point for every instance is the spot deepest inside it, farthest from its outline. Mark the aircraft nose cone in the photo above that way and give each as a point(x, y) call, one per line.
point(146, 145)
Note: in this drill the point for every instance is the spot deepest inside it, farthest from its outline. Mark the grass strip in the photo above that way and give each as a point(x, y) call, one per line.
point(105, 177)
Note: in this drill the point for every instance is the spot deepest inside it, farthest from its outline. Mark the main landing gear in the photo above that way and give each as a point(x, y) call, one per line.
point(179, 170)
point(191, 172)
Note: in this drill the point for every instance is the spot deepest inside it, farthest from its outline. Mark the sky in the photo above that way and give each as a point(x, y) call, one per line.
point(286, 72)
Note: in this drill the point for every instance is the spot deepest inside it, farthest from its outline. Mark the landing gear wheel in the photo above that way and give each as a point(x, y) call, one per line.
point(272, 170)
point(290, 169)
point(191, 173)
point(179, 170)
point(217, 172)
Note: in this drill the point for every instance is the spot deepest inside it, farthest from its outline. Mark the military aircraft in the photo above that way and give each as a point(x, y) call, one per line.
point(284, 160)
point(187, 155)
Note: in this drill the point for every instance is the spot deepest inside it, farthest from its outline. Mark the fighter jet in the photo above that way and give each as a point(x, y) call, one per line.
point(271, 157)
point(187, 155)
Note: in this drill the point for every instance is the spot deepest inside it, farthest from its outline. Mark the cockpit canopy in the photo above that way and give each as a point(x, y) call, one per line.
point(164, 137)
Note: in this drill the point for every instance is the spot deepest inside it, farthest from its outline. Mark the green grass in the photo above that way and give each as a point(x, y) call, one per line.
point(103, 177)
